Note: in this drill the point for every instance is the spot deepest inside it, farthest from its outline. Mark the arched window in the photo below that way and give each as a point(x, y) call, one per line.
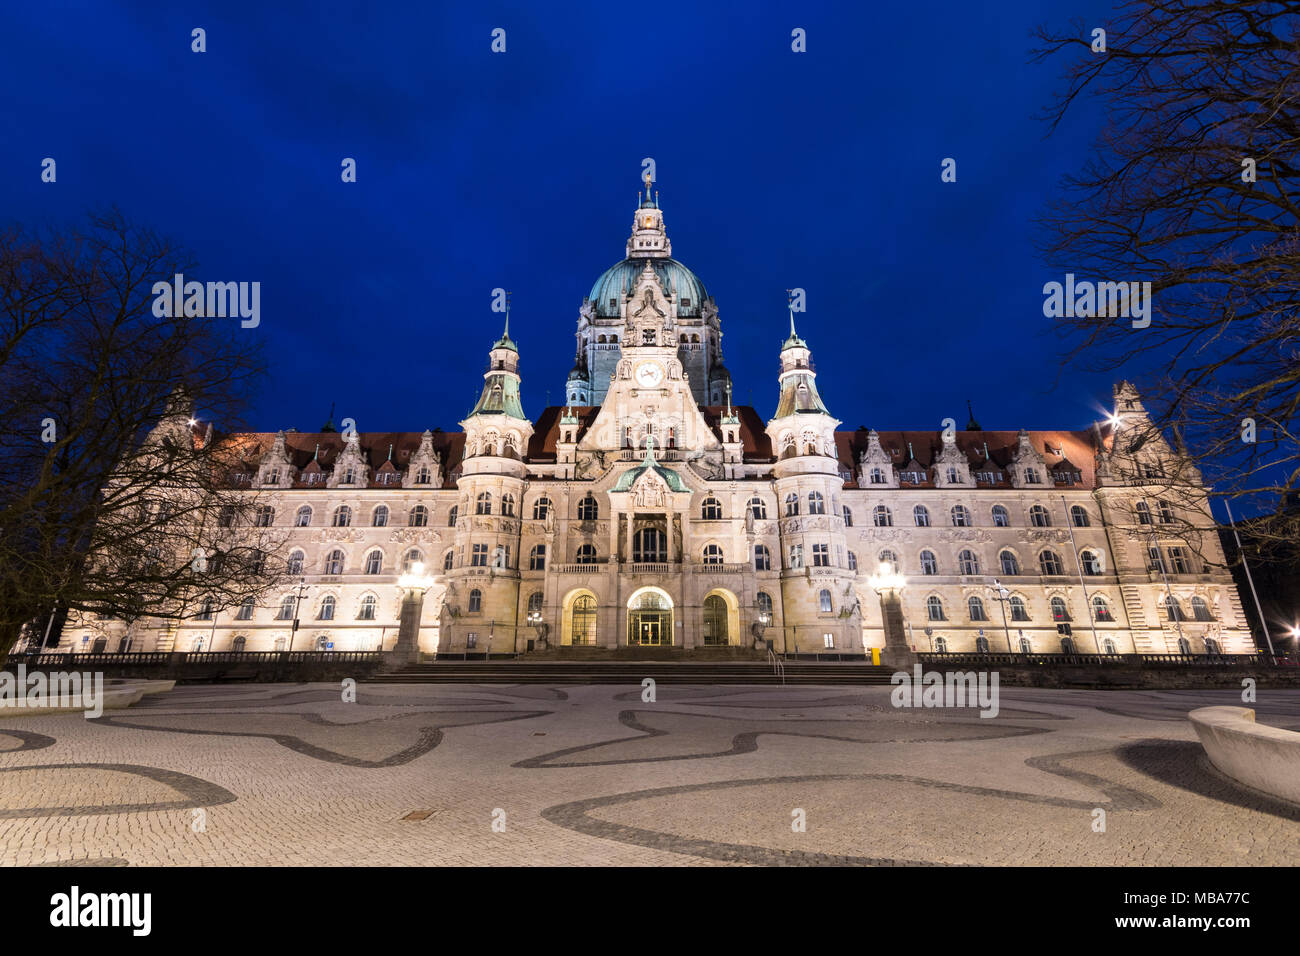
point(1212, 646)
point(882, 517)
point(586, 554)
point(483, 505)
point(508, 505)
point(1200, 612)
point(921, 516)
point(890, 558)
point(326, 610)
point(981, 644)
point(711, 510)
point(1000, 517)
point(342, 516)
point(1039, 518)
point(419, 517)
point(934, 608)
point(1018, 611)
point(1008, 562)
point(649, 546)
point(1143, 512)
point(762, 558)
point(853, 561)
point(1100, 609)
point(757, 508)
point(374, 562)
point(534, 603)
point(541, 509)
point(816, 503)
point(1067, 645)
point(1079, 515)
point(765, 607)
point(379, 517)
point(288, 604)
point(940, 645)
point(1091, 562)
point(960, 516)
point(1059, 611)
point(334, 563)
point(976, 607)
point(712, 554)
point(848, 518)
point(824, 601)
point(1049, 562)
point(448, 560)
point(411, 559)
point(967, 562)
point(1174, 609)
point(366, 611)
point(537, 558)
point(1108, 647)
point(452, 515)
point(295, 563)
point(791, 505)
point(583, 628)
point(929, 564)
point(475, 601)
point(303, 518)
point(588, 510)
point(238, 644)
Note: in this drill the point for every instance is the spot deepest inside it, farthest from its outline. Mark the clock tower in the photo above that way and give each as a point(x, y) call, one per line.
point(649, 393)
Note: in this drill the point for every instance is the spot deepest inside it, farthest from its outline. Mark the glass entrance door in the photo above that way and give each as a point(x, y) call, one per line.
point(650, 621)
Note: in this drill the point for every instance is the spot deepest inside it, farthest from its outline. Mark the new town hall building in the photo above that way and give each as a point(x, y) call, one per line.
point(650, 510)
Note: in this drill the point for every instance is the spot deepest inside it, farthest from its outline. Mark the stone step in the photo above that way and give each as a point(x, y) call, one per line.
point(632, 672)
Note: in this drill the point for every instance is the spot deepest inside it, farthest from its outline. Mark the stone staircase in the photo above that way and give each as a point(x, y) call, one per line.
point(631, 673)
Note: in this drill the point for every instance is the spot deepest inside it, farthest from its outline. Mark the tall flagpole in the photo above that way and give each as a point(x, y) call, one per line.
point(1249, 580)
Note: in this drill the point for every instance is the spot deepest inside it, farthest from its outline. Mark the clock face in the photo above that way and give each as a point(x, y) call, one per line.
point(649, 374)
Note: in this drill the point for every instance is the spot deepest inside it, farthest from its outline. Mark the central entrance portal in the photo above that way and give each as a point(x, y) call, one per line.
point(650, 619)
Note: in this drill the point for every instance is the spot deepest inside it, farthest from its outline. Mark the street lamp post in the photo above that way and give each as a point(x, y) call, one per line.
point(301, 589)
point(1003, 596)
point(888, 583)
point(414, 583)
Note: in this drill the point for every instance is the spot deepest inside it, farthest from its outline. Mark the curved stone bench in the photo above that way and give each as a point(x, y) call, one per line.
point(1263, 757)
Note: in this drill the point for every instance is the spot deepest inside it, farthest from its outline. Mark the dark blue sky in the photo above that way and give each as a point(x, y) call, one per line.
point(477, 170)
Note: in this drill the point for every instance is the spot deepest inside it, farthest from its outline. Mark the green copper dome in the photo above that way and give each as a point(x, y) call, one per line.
point(674, 278)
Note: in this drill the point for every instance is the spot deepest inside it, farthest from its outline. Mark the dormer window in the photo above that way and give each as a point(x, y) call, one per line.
point(1031, 477)
point(272, 476)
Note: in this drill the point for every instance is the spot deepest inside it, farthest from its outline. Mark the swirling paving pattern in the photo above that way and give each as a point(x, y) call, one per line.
point(762, 775)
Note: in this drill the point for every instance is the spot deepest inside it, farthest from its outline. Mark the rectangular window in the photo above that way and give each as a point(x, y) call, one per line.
point(1155, 559)
point(821, 555)
point(1179, 558)
point(828, 640)
point(796, 556)
point(471, 640)
point(479, 556)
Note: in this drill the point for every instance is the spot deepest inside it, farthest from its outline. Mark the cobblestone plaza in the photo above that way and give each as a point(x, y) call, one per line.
point(582, 775)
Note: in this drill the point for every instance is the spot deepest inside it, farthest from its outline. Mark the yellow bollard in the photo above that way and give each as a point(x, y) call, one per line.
point(875, 656)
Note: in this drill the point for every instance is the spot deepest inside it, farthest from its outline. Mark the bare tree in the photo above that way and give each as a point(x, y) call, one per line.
point(1194, 186)
point(114, 500)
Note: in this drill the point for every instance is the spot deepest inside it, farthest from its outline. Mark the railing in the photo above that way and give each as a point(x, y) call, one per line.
point(648, 567)
point(718, 568)
point(163, 658)
point(778, 665)
point(1107, 660)
point(594, 568)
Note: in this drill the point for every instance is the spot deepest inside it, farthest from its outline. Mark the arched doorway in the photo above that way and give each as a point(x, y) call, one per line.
point(650, 618)
point(579, 624)
point(720, 619)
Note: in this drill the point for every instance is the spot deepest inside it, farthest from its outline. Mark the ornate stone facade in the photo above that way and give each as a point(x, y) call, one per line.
point(649, 510)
